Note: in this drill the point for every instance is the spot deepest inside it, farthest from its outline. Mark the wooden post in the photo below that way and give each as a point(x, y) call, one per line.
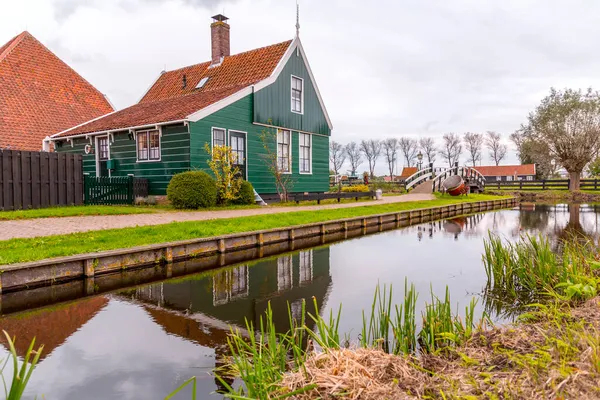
point(88, 268)
point(260, 240)
point(221, 246)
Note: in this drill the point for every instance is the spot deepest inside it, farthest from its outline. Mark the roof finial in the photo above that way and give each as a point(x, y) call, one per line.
point(297, 19)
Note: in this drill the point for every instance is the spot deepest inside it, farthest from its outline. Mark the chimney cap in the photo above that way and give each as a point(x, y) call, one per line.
point(220, 18)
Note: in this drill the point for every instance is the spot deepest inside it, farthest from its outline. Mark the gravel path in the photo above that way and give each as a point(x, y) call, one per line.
point(57, 226)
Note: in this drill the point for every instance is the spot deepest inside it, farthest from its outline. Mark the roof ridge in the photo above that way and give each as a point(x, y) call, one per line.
point(233, 55)
point(12, 43)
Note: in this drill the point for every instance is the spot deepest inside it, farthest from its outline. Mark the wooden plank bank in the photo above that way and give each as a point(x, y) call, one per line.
point(29, 275)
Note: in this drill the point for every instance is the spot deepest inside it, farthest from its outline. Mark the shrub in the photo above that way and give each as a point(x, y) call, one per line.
point(192, 189)
point(356, 188)
point(246, 194)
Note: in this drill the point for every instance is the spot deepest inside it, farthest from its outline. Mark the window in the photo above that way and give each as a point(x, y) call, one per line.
point(305, 153)
point(529, 177)
point(230, 285)
point(238, 148)
point(297, 95)
point(306, 266)
point(498, 178)
point(218, 137)
point(148, 145)
point(103, 148)
point(284, 273)
point(509, 178)
point(284, 159)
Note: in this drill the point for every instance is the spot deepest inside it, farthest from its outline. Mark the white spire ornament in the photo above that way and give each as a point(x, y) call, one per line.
point(297, 19)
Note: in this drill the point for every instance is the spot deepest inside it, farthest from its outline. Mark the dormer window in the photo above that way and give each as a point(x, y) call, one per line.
point(202, 82)
point(297, 95)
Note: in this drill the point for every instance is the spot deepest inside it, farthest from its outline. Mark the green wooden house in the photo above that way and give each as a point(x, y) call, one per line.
point(230, 100)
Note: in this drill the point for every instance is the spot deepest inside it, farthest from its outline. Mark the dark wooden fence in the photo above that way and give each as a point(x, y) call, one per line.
point(31, 179)
point(114, 190)
point(546, 184)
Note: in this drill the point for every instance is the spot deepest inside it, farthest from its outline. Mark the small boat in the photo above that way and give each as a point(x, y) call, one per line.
point(454, 185)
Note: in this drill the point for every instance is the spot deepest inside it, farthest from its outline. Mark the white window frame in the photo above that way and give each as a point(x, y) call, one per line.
point(289, 171)
point(509, 178)
point(301, 112)
point(228, 295)
point(97, 148)
point(245, 146)
point(306, 262)
point(285, 273)
point(212, 136)
point(310, 155)
point(498, 178)
point(529, 177)
point(147, 132)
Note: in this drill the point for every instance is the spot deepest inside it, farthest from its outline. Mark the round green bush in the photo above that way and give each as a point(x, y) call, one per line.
point(192, 189)
point(246, 194)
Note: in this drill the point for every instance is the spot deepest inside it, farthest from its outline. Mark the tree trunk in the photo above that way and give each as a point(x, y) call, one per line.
point(574, 180)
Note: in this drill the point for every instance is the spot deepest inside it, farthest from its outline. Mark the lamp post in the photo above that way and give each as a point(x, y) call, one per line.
point(419, 161)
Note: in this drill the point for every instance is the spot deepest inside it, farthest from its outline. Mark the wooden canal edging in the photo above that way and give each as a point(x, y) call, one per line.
point(21, 276)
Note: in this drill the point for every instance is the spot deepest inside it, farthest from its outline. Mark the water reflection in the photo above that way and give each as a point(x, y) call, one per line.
point(144, 341)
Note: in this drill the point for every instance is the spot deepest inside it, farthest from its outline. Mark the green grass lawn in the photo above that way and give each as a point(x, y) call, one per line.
point(21, 250)
point(73, 211)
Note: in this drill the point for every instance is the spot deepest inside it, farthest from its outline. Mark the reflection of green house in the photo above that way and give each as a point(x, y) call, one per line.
point(229, 100)
point(232, 295)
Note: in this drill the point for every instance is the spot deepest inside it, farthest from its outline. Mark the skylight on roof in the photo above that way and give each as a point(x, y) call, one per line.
point(202, 82)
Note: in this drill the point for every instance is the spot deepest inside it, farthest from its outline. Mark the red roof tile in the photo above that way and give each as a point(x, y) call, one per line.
point(41, 95)
point(408, 171)
point(167, 100)
point(506, 170)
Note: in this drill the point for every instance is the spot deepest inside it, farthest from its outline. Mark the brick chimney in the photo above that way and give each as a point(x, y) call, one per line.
point(219, 35)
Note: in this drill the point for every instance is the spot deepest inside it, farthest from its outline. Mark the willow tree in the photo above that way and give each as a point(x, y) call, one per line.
point(567, 123)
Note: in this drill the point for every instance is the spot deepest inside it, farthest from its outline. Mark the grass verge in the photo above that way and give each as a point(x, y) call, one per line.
point(22, 250)
point(73, 211)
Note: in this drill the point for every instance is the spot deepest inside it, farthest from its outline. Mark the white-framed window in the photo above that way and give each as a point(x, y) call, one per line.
point(529, 177)
point(285, 273)
point(305, 152)
point(306, 266)
point(229, 285)
point(103, 152)
point(148, 145)
point(218, 137)
point(284, 150)
point(498, 178)
point(297, 95)
point(509, 178)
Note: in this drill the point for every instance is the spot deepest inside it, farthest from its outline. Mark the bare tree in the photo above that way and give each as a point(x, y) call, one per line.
point(497, 150)
point(568, 123)
point(283, 181)
point(451, 148)
point(427, 146)
point(337, 156)
point(473, 143)
point(409, 148)
point(372, 150)
point(354, 157)
point(390, 150)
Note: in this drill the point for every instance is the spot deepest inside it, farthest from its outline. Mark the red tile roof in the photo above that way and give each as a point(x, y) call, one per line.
point(41, 95)
point(506, 170)
point(407, 171)
point(167, 100)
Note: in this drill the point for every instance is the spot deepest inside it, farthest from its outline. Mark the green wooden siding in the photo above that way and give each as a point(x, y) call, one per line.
point(175, 157)
point(274, 101)
point(238, 116)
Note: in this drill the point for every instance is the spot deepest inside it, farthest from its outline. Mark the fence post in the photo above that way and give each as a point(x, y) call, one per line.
point(543, 184)
point(130, 198)
point(86, 197)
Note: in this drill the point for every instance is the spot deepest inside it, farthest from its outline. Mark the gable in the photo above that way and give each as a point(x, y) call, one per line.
point(272, 100)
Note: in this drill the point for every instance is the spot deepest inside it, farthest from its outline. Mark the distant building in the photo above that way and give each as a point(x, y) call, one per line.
point(41, 95)
point(493, 173)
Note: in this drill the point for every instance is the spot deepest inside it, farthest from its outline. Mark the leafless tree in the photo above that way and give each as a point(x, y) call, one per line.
point(372, 150)
point(568, 124)
point(337, 156)
point(284, 182)
point(390, 150)
point(354, 157)
point(451, 148)
point(409, 148)
point(497, 150)
point(473, 143)
point(427, 146)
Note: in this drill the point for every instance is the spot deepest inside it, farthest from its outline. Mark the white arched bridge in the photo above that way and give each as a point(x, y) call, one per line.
point(431, 178)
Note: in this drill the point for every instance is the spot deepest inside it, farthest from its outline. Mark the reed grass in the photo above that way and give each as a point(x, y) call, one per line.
point(20, 374)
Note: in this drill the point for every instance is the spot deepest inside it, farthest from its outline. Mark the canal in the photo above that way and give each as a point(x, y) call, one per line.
point(145, 340)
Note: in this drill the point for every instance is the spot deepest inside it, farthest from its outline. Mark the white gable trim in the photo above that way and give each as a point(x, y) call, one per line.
point(206, 111)
point(82, 124)
point(151, 86)
point(296, 44)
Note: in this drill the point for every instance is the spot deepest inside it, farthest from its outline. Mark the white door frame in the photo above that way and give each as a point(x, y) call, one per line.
point(245, 147)
point(97, 153)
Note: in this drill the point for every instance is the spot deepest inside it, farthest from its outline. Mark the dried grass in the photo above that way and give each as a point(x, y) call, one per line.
point(556, 357)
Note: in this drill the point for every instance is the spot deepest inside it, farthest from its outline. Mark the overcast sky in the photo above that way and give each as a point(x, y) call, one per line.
point(385, 68)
